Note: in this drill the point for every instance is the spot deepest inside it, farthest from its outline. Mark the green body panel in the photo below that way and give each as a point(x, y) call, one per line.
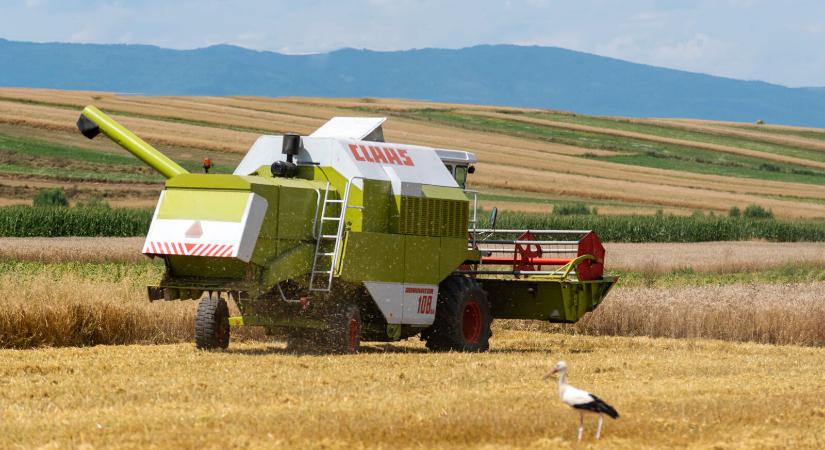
point(454, 252)
point(293, 263)
point(206, 267)
point(297, 207)
point(133, 144)
point(200, 204)
point(378, 206)
point(211, 181)
point(237, 182)
point(372, 257)
point(421, 259)
point(551, 300)
point(444, 193)
point(433, 214)
point(268, 245)
point(399, 258)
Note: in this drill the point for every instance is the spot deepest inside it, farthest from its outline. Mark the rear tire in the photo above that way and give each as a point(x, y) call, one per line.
point(345, 330)
point(212, 323)
point(462, 318)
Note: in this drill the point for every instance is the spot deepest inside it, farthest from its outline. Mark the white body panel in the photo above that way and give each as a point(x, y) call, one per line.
point(207, 237)
point(411, 304)
point(349, 127)
point(399, 164)
point(336, 144)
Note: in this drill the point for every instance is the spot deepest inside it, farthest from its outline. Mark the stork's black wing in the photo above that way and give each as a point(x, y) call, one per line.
point(598, 406)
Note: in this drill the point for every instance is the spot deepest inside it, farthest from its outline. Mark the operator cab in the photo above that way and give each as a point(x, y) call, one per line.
point(458, 163)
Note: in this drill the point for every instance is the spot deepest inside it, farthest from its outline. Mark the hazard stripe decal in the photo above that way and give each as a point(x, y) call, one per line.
point(179, 248)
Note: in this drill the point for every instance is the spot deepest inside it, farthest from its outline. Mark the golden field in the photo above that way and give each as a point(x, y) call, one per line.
point(714, 387)
point(68, 292)
point(510, 162)
point(670, 394)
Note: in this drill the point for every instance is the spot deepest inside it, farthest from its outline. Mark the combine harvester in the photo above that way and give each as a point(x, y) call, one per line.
point(339, 237)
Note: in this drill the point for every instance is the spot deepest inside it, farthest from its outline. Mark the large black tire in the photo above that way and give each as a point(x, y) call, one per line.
point(212, 323)
point(344, 335)
point(462, 318)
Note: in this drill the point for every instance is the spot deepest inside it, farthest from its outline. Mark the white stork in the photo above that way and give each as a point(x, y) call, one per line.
point(581, 400)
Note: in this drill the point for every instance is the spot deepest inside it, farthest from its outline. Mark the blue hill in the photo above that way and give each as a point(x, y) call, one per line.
point(544, 77)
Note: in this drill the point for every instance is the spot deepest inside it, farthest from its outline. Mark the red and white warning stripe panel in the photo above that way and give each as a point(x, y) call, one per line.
point(198, 237)
point(190, 249)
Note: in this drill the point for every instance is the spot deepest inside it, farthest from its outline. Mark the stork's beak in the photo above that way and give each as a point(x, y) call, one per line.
point(552, 371)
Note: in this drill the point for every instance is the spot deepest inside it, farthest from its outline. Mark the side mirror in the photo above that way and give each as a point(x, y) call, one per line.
point(493, 217)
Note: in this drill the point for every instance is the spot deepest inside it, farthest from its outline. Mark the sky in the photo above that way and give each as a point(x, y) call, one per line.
point(778, 42)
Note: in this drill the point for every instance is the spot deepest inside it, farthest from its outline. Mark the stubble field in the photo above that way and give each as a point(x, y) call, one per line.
point(690, 358)
point(670, 393)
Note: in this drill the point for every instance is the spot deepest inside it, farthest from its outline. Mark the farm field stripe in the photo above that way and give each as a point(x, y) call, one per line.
point(651, 138)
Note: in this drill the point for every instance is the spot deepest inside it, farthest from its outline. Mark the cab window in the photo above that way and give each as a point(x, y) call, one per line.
point(461, 176)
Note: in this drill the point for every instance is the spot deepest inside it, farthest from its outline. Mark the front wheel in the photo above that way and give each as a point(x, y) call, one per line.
point(212, 323)
point(462, 318)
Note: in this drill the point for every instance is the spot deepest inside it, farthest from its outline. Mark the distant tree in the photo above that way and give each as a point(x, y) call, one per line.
point(50, 198)
point(572, 209)
point(757, 212)
point(734, 212)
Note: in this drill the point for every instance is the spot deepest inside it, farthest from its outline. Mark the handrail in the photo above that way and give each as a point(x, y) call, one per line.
point(474, 222)
point(560, 274)
point(534, 231)
point(317, 211)
point(340, 232)
point(569, 266)
point(512, 241)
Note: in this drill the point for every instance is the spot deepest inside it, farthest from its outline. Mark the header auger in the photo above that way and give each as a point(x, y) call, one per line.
point(339, 237)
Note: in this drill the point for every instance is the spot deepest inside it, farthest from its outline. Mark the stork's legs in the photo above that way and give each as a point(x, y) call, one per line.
point(581, 425)
point(599, 429)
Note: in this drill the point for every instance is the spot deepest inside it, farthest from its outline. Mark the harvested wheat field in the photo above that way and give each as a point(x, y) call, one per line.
point(738, 347)
point(670, 393)
point(625, 164)
point(713, 257)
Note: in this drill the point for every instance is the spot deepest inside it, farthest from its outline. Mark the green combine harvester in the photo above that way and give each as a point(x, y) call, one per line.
point(340, 237)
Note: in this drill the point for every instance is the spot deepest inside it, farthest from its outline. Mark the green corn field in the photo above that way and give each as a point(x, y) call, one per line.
point(662, 228)
point(26, 221)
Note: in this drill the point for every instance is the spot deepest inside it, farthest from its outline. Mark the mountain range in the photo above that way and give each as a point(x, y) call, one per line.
point(544, 77)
